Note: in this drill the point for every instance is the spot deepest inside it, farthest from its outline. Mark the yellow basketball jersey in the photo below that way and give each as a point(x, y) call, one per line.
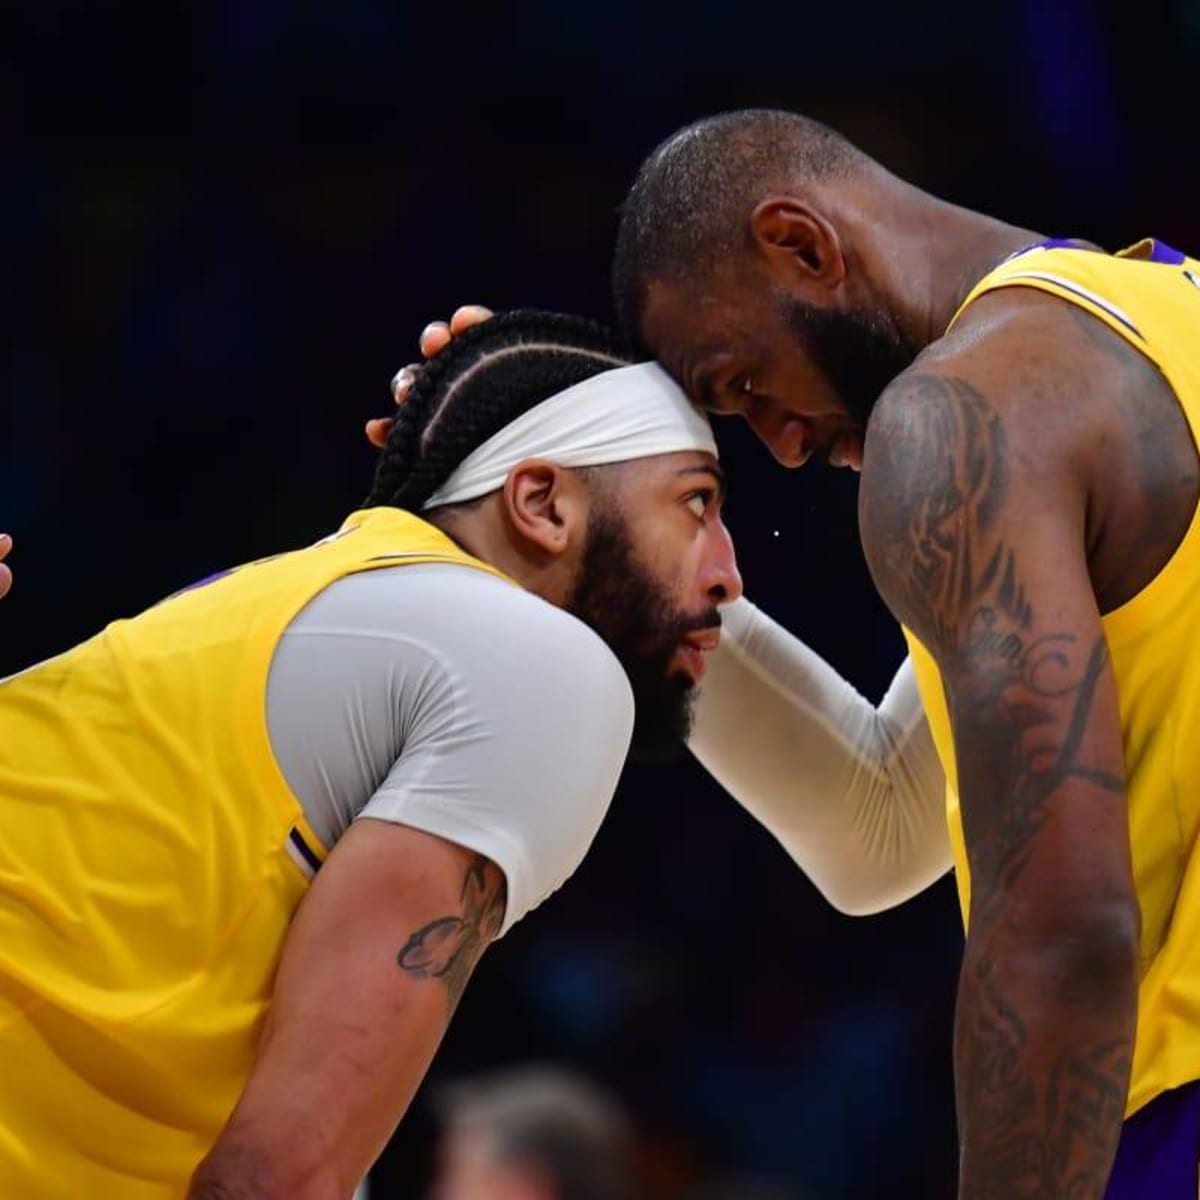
point(1149, 295)
point(151, 858)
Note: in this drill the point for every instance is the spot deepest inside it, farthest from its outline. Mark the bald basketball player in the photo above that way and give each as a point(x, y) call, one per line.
point(1023, 410)
point(1024, 413)
point(254, 840)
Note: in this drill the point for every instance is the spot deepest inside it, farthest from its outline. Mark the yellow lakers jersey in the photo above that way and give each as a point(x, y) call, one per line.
point(1149, 295)
point(151, 858)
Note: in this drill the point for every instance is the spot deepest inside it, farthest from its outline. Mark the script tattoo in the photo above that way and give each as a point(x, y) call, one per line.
point(448, 947)
point(1037, 1118)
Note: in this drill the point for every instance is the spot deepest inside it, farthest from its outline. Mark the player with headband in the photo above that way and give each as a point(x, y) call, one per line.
point(257, 837)
point(853, 792)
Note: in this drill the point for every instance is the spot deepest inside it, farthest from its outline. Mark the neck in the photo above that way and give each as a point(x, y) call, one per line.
point(930, 255)
point(478, 531)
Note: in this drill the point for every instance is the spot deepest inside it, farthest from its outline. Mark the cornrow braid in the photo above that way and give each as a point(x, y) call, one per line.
point(487, 377)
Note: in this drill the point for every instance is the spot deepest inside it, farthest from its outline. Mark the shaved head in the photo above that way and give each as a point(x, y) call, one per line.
point(691, 202)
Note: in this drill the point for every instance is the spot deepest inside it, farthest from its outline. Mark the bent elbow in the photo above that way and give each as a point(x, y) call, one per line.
point(870, 882)
point(1106, 953)
point(854, 896)
point(1084, 956)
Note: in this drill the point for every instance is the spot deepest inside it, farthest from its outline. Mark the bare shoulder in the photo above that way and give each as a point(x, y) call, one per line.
point(981, 434)
point(1052, 369)
point(1032, 413)
point(1084, 412)
point(1025, 384)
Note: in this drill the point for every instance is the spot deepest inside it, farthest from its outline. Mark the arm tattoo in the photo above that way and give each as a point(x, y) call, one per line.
point(449, 947)
point(1041, 1096)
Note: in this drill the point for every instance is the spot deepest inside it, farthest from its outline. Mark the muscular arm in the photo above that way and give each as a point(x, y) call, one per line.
point(853, 792)
point(973, 520)
point(373, 967)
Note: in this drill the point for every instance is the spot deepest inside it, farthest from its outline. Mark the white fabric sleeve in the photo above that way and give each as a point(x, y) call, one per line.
point(446, 699)
point(854, 793)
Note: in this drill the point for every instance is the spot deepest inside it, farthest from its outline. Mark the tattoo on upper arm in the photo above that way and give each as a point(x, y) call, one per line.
point(1021, 693)
point(943, 462)
point(448, 947)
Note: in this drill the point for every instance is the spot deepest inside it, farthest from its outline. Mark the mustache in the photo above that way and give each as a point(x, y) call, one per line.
point(671, 637)
point(660, 644)
point(710, 620)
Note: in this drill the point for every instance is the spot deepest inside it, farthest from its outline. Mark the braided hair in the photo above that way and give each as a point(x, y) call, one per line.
point(488, 376)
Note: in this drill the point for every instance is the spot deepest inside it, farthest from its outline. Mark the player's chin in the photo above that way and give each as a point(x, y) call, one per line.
point(687, 666)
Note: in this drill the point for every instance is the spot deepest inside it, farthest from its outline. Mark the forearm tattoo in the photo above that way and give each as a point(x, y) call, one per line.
point(448, 947)
point(1041, 1087)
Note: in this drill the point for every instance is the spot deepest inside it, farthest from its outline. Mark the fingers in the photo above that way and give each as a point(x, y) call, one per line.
point(377, 430)
point(402, 382)
point(437, 334)
point(468, 315)
point(434, 337)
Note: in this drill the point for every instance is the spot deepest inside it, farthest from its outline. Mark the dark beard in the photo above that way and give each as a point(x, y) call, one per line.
point(859, 352)
point(627, 607)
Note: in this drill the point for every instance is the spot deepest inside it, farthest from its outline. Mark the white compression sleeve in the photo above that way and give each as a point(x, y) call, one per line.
point(854, 793)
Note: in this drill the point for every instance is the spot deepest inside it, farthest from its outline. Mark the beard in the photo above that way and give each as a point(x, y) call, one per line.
point(631, 610)
point(859, 352)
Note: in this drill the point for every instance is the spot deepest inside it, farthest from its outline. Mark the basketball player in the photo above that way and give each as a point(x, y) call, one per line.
point(853, 792)
point(413, 710)
point(1027, 408)
point(1024, 413)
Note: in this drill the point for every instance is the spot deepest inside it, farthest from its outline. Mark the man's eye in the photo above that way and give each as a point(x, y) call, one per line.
point(699, 502)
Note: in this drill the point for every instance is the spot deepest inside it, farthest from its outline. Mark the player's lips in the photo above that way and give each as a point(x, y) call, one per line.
point(694, 646)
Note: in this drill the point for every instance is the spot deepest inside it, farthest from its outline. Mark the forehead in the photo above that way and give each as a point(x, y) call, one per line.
point(671, 472)
point(675, 311)
point(683, 326)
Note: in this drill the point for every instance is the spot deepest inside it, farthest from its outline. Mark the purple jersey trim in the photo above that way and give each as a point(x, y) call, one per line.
point(1159, 1150)
point(1162, 253)
point(1048, 244)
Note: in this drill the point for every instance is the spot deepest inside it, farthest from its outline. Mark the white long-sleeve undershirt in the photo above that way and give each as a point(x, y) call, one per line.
point(854, 793)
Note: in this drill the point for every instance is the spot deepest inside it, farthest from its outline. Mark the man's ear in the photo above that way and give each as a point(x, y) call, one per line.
point(796, 237)
point(546, 505)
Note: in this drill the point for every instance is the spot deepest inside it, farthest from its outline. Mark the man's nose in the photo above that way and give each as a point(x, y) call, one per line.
point(788, 438)
point(723, 581)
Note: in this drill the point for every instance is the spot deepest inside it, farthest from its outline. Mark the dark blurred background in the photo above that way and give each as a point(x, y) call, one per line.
point(224, 226)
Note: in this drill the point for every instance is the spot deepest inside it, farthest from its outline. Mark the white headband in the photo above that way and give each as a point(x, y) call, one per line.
point(618, 415)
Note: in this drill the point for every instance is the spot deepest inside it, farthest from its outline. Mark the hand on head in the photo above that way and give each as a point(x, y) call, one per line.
point(435, 337)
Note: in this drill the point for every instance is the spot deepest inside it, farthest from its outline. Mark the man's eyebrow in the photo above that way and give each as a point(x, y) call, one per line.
point(713, 472)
